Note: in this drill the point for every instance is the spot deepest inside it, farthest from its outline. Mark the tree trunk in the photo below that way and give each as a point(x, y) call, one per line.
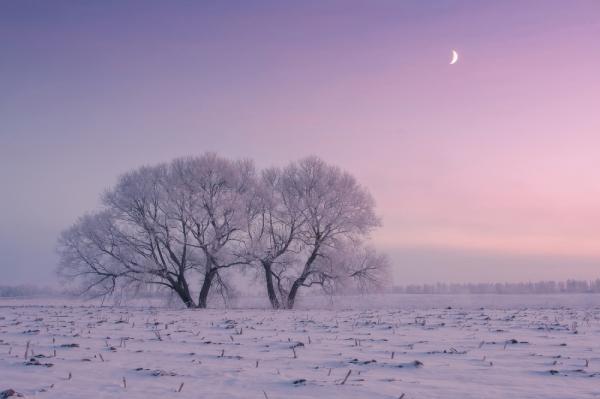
point(298, 283)
point(186, 298)
point(183, 290)
point(270, 288)
point(203, 297)
point(293, 292)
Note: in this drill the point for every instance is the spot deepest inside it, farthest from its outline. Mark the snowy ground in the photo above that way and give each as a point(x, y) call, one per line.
point(419, 352)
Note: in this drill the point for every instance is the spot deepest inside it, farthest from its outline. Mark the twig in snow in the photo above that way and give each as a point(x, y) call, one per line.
point(346, 377)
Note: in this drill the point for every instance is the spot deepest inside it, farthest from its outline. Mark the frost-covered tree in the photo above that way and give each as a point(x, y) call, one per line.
point(218, 192)
point(170, 225)
point(274, 231)
point(140, 236)
point(313, 211)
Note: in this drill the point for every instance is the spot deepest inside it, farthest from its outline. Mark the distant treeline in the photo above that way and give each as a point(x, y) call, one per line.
point(26, 290)
point(539, 287)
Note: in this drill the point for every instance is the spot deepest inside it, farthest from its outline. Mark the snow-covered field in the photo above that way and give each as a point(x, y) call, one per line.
point(436, 351)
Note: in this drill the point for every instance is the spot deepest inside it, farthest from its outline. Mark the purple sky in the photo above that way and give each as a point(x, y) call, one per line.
point(485, 170)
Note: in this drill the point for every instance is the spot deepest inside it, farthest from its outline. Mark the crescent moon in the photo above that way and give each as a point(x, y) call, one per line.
point(454, 57)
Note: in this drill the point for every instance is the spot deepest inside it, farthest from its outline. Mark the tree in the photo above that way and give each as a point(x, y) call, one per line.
point(276, 220)
point(217, 192)
point(161, 225)
point(319, 211)
point(139, 237)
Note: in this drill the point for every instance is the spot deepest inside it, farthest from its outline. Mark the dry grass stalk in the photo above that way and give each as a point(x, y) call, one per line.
point(26, 350)
point(346, 377)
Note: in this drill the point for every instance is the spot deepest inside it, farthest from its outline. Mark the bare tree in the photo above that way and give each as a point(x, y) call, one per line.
point(328, 210)
point(274, 230)
point(141, 236)
point(162, 225)
point(218, 190)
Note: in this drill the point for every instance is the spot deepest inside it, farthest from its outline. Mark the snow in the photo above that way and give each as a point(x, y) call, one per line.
point(451, 350)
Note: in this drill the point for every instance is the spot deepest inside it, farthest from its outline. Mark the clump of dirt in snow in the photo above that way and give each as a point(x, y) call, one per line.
point(35, 362)
point(9, 393)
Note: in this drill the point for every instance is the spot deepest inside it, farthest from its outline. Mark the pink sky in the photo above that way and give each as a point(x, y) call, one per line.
point(492, 163)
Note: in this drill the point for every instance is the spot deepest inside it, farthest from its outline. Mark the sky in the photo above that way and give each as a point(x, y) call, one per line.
point(485, 170)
